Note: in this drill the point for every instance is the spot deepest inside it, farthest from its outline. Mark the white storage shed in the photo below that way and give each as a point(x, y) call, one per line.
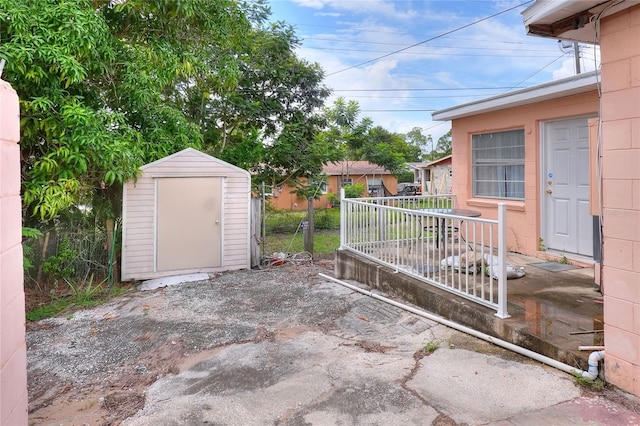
point(186, 213)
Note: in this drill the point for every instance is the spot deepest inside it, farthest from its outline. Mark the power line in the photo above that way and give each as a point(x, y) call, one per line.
point(436, 53)
point(425, 89)
point(432, 46)
point(416, 97)
point(536, 72)
point(397, 110)
point(430, 39)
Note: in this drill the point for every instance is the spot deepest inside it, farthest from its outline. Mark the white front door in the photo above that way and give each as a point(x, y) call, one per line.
point(567, 222)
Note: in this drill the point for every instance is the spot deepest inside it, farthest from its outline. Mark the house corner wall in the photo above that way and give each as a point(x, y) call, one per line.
point(13, 350)
point(621, 196)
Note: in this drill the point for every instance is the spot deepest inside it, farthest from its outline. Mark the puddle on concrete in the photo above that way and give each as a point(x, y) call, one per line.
point(566, 328)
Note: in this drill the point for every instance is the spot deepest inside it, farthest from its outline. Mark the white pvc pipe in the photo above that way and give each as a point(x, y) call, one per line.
point(593, 358)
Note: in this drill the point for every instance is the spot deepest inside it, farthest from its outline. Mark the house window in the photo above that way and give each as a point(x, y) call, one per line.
point(319, 184)
point(498, 164)
point(346, 181)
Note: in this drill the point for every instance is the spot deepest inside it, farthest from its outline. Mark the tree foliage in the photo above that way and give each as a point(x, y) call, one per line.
point(108, 86)
point(444, 145)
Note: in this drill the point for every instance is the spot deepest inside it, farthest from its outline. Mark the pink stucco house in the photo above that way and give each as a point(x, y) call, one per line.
point(565, 157)
point(374, 178)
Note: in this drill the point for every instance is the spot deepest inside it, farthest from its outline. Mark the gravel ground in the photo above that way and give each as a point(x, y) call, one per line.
point(94, 365)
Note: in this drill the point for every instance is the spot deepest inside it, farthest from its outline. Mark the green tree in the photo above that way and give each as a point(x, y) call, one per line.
point(345, 128)
point(95, 82)
point(415, 137)
point(390, 150)
point(444, 145)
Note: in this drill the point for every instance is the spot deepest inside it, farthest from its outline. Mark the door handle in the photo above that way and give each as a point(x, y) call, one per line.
point(549, 191)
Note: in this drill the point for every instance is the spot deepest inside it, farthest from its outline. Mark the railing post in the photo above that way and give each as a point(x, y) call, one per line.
point(343, 219)
point(502, 261)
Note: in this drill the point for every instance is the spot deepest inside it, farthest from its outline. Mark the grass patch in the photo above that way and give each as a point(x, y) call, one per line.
point(430, 347)
point(596, 384)
point(323, 242)
point(288, 221)
point(83, 295)
point(284, 232)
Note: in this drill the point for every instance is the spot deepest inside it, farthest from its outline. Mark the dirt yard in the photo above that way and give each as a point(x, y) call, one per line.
point(94, 366)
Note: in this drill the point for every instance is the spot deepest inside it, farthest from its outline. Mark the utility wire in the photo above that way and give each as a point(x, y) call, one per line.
point(386, 90)
point(536, 72)
point(548, 55)
point(430, 39)
point(546, 49)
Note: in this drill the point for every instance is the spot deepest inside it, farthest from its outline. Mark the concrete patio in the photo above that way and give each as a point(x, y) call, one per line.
point(551, 313)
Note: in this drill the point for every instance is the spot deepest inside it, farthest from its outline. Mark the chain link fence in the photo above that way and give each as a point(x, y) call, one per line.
point(74, 255)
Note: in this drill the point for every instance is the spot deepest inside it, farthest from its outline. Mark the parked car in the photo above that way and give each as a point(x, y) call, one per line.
point(408, 189)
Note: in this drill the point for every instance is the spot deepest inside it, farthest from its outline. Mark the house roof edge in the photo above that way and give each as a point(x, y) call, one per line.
point(580, 83)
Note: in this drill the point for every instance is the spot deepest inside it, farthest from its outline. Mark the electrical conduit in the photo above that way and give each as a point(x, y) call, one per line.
point(594, 357)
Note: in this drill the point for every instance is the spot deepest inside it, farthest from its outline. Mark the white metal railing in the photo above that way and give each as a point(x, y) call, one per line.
point(422, 237)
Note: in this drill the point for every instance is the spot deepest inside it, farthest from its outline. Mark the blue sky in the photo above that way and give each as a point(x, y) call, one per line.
point(454, 60)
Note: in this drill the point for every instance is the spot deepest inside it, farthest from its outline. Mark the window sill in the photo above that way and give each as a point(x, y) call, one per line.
point(515, 205)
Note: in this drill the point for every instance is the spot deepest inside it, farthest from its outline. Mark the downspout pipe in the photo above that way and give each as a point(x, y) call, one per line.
point(594, 357)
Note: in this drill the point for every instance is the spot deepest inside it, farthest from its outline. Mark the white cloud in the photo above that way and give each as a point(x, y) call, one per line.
point(314, 4)
point(384, 8)
point(330, 14)
point(340, 34)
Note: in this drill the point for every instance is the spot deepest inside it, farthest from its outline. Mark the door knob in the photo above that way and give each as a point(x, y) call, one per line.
point(549, 191)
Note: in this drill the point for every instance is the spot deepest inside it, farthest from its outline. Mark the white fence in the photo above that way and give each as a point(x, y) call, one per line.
point(428, 238)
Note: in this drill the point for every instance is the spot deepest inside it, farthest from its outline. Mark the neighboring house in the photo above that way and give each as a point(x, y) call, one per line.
point(615, 26)
point(565, 158)
point(376, 180)
point(435, 177)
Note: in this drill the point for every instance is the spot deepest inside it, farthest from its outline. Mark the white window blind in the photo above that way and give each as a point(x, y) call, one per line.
point(498, 164)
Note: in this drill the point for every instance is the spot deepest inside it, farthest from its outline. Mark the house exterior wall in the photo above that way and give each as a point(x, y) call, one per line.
point(523, 217)
point(440, 179)
point(139, 208)
point(620, 50)
point(13, 348)
point(287, 200)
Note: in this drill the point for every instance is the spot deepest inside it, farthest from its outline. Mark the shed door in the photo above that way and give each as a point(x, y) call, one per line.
point(568, 222)
point(188, 223)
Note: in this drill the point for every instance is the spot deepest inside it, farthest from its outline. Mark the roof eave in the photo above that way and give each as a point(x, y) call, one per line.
point(569, 19)
point(577, 84)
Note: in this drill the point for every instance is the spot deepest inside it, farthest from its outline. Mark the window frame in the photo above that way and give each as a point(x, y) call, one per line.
point(506, 188)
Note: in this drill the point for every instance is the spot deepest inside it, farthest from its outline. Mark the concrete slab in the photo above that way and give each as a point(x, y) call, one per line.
point(473, 388)
point(550, 312)
point(173, 280)
point(286, 347)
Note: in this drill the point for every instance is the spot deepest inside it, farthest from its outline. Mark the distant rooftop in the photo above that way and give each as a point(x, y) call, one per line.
point(354, 168)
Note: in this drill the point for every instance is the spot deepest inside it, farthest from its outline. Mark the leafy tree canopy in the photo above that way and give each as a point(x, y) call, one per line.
point(108, 86)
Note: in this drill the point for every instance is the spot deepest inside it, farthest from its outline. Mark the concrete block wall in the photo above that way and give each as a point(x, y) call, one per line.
point(13, 350)
point(620, 50)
